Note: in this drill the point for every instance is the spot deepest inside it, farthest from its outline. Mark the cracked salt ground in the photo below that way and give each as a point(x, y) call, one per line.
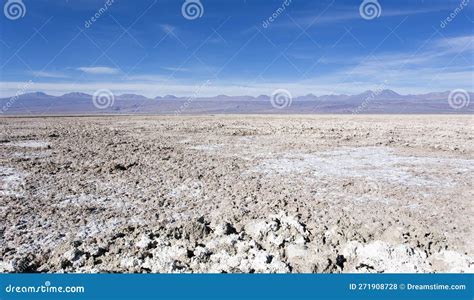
point(93, 201)
point(12, 182)
point(194, 189)
point(372, 163)
point(379, 256)
point(283, 245)
point(31, 155)
point(125, 194)
point(28, 144)
point(207, 148)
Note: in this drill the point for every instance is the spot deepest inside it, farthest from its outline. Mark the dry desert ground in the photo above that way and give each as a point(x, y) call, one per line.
point(237, 193)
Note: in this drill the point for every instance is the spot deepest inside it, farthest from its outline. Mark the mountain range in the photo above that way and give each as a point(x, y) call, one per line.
point(383, 101)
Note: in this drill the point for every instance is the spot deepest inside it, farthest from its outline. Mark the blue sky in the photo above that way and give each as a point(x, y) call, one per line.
point(148, 47)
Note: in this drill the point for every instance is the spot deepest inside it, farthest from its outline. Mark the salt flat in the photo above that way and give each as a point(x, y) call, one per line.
point(237, 193)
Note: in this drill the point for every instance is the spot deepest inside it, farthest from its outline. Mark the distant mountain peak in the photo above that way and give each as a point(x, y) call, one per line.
point(377, 101)
point(367, 92)
point(377, 94)
point(387, 92)
point(36, 94)
point(132, 97)
point(76, 95)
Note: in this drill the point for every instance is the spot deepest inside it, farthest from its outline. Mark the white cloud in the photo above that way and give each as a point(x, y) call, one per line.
point(438, 66)
point(146, 78)
point(44, 74)
point(176, 69)
point(456, 44)
point(99, 70)
point(405, 82)
point(352, 13)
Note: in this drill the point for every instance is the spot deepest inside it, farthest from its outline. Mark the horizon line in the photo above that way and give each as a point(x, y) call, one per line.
point(374, 92)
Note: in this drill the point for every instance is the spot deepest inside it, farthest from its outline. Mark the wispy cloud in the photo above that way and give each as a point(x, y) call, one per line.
point(145, 78)
point(44, 74)
point(439, 53)
point(344, 14)
point(440, 64)
point(99, 70)
point(456, 44)
point(176, 69)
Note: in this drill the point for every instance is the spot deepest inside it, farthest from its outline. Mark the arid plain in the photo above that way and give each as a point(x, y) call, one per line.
point(235, 193)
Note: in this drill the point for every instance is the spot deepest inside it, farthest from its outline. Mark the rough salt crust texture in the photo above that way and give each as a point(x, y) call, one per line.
point(237, 194)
